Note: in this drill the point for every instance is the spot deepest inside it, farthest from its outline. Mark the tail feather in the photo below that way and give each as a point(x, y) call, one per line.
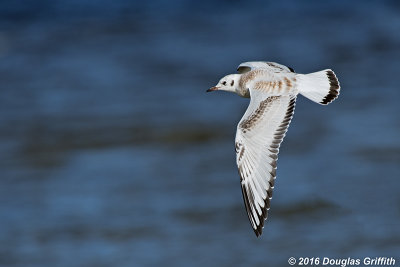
point(321, 87)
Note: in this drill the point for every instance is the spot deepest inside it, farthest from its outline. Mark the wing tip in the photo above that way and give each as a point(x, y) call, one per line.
point(259, 230)
point(257, 227)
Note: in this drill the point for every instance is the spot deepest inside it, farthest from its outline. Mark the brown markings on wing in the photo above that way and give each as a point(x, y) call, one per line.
point(263, 86)
point(252, 120)
point(273, 85)
point(277, 86)
point(288, 82)
point(271, 64)
point(280, 86)
point(248, 76)
point(239, 148)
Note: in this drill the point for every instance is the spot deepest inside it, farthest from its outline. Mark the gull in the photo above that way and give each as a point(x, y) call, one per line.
point(272, 89)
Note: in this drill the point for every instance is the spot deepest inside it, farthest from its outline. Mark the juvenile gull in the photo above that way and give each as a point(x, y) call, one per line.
point(272, 89)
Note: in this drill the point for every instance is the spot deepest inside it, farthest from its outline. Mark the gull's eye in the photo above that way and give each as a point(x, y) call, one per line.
point(224, 83)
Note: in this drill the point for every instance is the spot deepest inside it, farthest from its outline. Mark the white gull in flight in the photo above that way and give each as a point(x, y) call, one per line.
point(272, 89)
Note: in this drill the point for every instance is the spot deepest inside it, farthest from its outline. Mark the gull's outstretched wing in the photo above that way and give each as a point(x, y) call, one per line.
point(258, 137)
point(272, 66)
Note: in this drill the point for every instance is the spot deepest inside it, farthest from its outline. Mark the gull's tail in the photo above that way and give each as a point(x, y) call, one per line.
point(321, 87)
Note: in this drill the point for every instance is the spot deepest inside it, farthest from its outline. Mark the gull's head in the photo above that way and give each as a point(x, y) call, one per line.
point(228, 83)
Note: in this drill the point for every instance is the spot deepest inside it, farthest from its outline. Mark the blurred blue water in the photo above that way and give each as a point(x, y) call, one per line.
point(112, 154)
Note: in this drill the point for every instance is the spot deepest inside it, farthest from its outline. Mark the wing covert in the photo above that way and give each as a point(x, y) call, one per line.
point(273, 66)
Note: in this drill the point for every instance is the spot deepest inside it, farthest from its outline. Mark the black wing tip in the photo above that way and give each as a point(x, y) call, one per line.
point(260, 227)
point(258, 231)
point(261, 217)
point(264, 215)
point(334, 89)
